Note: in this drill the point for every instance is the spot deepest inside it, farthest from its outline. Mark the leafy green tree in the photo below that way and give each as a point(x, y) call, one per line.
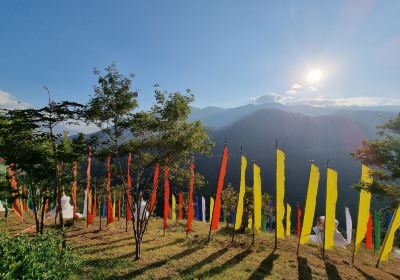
point(229, 202)
point(384, 154)
point(159, 135)
point(248, 208)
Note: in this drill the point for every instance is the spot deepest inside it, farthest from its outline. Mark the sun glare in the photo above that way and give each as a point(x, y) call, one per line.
point(314, 75)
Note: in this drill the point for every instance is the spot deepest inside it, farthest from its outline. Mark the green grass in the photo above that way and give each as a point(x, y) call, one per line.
point(109, 254)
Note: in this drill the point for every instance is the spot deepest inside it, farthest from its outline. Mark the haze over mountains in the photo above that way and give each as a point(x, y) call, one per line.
point(304, 132)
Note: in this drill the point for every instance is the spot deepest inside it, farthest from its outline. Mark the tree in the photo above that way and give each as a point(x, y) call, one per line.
point(160, 135)
point(28, 141)
point(248, 208)
point(384, 154)
point(229, 202)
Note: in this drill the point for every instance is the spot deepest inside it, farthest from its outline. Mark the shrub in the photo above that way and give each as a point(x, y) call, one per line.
point(41, 257)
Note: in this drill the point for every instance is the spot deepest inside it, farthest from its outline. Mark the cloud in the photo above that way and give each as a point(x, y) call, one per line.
point(296, 86)
point(8, 101)
point(312, 97)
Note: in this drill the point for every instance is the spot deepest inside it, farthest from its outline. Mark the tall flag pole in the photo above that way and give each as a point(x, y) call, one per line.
point(74, 188)
point(173, 208)
point(280, 194)
point(110, 218)
point(180, 206)
point(154, 191)
point(330, 209)
point(257, 198)
point(309, 209)
point(288, 217)
point(203, 209)
point(242, 188)
point(166, 196)
point(217, 205)
point(190, 204)
point(363, 209)
point(388, 241)
point(89, 217)
point(377, 231)
point(12, 178)
point(128, 203)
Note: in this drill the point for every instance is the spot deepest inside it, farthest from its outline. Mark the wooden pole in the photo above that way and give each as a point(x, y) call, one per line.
point(326, 196)
point(276, 201)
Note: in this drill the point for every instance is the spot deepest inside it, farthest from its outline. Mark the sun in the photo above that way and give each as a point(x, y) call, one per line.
point(314, 75)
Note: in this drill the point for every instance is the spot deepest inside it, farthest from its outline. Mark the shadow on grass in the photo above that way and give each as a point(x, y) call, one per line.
point(228, 264)
point(265, 267)
point(96, 250)
point(179, 240)
point(331, 271)
point(394, 275)
point(107, 262)
point(366, 275)
point(103, 243)
point(157, 264)
point(304, 269)
point(203, 262)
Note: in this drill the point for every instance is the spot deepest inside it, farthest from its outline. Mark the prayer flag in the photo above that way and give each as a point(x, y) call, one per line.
point(217, 206)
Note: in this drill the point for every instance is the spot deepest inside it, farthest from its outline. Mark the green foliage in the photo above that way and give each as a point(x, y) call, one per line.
point(39, 258)
point(229, 201)
point(384, 154)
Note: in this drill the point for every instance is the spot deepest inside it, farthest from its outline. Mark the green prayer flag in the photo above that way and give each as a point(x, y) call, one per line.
point(264, 222)
point(377, 231)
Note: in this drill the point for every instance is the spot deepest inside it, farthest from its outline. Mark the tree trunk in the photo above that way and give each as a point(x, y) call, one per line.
point(36, 215)
point(42, 213)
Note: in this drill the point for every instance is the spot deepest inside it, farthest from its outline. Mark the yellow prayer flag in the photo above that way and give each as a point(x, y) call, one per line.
point(288, 222)
point(250, 223)
point(257, 197)
point(90, 202)
point(280, 193)
point(239, 209)
point(114, 203)
point(173, 210)
point(363, 207)
point(211, 207)
point(330, 210)
point(388, 242)
point(311, 201)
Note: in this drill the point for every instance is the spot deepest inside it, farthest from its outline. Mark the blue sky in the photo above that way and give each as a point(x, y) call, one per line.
point(228, 52)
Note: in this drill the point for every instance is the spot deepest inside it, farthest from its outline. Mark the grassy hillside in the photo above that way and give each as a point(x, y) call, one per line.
point(108, 254)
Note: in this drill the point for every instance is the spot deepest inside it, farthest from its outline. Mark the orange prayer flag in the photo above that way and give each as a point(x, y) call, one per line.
point(217, 203)
point(154, 192)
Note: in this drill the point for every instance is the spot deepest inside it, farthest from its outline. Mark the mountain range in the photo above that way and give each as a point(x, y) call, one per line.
point(304, 133)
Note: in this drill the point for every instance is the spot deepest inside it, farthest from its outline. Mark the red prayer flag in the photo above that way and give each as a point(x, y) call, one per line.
point(368, 235)
point(88, 210)
point(190, 204)
point(298, 219)
point(166, 195)
point(110, 218)
point(24, 205)
point(12, 179)
point(217, 203)
point(154, 192)
point(180, 205)
point(74, 186)
point(128, 190)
